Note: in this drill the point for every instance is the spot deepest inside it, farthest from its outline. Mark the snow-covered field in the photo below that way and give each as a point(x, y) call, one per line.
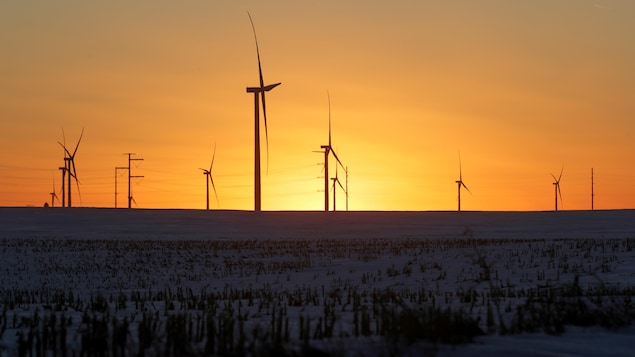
point(344, 283)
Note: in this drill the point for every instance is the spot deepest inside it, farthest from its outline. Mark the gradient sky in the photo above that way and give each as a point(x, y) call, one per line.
point(521, 88)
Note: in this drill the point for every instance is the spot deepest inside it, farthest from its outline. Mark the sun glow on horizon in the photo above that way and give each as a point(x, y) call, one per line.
point(520, 89)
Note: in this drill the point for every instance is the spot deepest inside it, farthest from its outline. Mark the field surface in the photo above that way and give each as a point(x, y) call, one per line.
point(174, 282)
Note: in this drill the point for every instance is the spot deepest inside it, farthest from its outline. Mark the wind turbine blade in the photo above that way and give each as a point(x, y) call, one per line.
point(79, 192)
point(559, 192)
point(262, 88)
point(339, 183)
point(460, 169)
point(74, 170)
point(328, 95)
point(63, 140)
point(337, 158)
point(253, 28)
point(78, 141)
point(264, 115)
point(561, 171)
point(555, 180)
point(213, 156)
point(66, 152)
point(214, 187)
point(468, 190)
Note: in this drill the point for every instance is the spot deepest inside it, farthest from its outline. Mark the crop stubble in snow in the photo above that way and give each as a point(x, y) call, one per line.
point(339, 295)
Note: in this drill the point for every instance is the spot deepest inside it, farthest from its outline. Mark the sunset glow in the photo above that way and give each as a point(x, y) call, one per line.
point(520, 88)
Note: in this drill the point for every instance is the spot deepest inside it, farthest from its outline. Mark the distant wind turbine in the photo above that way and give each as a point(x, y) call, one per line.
point(460, 183)
point(337, 180)
point(259, 92)
point(53, 194)
point(328, 149)
point(208, 179)
point(556, 185)
point(69, 167)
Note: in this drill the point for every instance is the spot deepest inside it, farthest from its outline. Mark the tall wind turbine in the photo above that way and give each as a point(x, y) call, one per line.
point(328, 149)
point(258, 93)
point(460, 183)
point(208, 179)
point(69, 167)
point(556, 185)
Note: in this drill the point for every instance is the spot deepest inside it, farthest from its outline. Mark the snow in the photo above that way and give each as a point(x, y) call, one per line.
point(316, 258)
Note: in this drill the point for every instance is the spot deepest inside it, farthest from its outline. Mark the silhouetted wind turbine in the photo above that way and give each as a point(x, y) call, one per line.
point(336, 180)
point(259, 92)
point(53, 194)
point(556, 185)
point(460, 183)
point(70, 167)
point(208, 179)
point(328, 149)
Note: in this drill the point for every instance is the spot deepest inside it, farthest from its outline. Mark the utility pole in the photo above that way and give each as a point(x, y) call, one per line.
point(130, 176)
point(117, 169)
point(592, 191)
point(346, 170)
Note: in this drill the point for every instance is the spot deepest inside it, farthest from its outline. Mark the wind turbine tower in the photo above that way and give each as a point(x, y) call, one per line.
point(258, 93)
point(327, 150)
point(556, 185)
point(63, 169)
point(336, 180)
point(208, 179)
point(69, 168)
point(460, 183)
point(53, 194)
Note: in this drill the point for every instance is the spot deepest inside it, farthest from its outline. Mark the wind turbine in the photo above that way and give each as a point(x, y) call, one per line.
point(328, 149)
point(70, 167)
point(259, 92)
point(556, 185)
point(208, 179)
point(336, 180)
point(53, 194)
point(460, 183)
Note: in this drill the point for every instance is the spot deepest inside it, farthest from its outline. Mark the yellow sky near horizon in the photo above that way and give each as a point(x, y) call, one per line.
point(520, 88)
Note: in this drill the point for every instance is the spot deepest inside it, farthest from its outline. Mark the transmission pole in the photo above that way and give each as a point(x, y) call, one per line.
point(117, 169)
point(130, 176)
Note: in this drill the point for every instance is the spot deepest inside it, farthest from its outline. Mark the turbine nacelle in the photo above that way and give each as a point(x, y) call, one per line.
point(262, 89)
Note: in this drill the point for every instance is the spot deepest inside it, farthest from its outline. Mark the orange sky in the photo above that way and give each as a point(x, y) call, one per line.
point(519, 87)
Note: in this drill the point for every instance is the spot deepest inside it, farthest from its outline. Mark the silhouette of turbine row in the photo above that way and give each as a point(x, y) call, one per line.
point(69, 169)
